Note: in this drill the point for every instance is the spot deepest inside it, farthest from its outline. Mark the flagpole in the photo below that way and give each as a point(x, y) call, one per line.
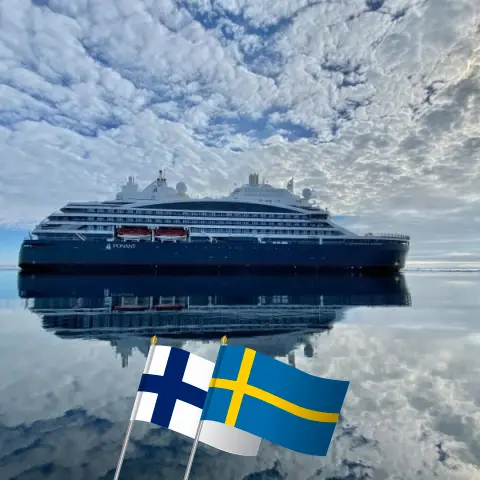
point(194, 449)
point(153, 342)
point(197, 436)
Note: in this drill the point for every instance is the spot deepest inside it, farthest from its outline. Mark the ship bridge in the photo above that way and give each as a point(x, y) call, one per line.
point(156, 190)
point(263, 192)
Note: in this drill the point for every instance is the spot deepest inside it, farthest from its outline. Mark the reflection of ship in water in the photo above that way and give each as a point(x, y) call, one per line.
point(273, 344)
point(272, 314)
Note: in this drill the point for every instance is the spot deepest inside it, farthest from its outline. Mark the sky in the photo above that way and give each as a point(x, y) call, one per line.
point(374, 104)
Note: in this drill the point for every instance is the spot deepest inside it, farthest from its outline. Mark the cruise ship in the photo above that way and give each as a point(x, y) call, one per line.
point(158, 228)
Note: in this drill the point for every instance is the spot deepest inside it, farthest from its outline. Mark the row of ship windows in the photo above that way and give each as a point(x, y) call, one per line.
point(239, 230)
point(173, 221)
point(57, 303)
point(269, 231)
point(169, 213)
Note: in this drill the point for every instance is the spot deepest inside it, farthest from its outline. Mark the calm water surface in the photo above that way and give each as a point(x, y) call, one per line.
point(72, 351)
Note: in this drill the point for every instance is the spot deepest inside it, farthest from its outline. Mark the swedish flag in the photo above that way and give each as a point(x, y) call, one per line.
point(268, 398)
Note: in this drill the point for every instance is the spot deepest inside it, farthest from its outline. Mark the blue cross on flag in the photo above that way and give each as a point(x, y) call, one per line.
point(172, 394)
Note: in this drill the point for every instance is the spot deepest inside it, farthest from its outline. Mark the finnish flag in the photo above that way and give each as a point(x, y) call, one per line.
point(172, 393)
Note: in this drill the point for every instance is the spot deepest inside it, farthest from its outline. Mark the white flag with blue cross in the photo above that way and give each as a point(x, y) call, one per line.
point(172, 394)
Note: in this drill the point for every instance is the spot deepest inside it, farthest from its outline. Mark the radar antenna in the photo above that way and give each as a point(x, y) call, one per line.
point(290, 185)
point(161, 177)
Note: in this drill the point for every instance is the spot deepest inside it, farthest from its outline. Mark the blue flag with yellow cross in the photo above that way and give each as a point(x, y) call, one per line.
point(274, 401)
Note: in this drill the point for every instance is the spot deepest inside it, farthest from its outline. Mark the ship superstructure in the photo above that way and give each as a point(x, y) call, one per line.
point(256, 211)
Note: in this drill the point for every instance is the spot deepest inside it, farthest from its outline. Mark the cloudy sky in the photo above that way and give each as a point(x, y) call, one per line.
point(375, 104)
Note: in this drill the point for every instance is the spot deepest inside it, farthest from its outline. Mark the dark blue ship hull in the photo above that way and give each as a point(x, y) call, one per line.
point(127, 257)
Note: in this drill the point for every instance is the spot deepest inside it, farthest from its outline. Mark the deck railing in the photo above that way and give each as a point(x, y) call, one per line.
point(388, 235)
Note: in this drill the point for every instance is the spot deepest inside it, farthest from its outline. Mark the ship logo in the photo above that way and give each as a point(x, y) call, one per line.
point(108, 246)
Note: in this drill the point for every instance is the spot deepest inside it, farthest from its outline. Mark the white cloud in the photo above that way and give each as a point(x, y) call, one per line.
point(375, 104)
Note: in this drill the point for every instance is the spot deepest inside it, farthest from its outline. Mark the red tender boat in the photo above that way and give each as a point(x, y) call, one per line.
point(134, 233)
point(168, 307)
point(130, 308)
point(170, 233)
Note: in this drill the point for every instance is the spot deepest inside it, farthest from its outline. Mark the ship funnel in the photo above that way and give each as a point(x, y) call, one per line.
point(253, 179)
